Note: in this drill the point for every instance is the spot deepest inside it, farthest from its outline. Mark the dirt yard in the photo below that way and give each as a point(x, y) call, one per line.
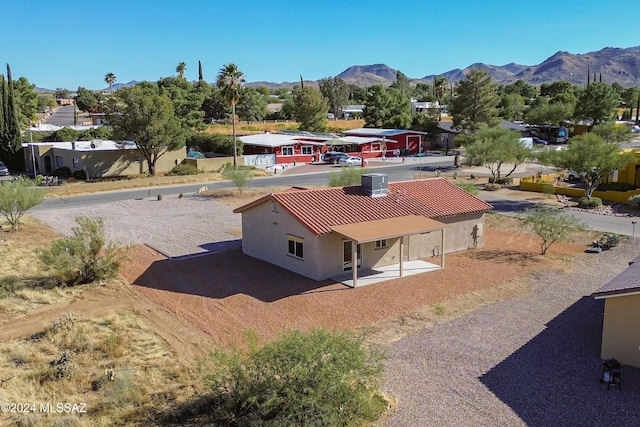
point(196, 302)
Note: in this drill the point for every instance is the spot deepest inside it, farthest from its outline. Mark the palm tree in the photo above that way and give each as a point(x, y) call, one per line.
point(230, 80)
point(180, 69)
point(110, 79)
point(439, 89)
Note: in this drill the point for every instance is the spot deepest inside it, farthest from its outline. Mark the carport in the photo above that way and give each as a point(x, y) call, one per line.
point(390, 228)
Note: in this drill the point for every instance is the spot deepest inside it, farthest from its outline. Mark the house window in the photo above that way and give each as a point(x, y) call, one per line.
point(381, 244)
point(59, 162)
point(287, 151)
point(137, 159)
point(296, 246)
point(76, 163)
point(307, 149)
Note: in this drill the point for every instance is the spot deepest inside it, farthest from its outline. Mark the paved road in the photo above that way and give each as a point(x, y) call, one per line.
point(62, 116)
point(397, 171)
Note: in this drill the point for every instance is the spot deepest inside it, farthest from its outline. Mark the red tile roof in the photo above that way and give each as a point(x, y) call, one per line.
point(320, 209)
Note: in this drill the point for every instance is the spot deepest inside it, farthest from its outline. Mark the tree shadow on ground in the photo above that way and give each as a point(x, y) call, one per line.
point(523, 259)
point(554, 378)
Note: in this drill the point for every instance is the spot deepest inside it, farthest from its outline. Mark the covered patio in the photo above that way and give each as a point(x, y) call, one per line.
point(383, 229)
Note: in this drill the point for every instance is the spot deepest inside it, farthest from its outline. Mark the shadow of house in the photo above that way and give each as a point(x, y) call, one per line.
point(554, 378)
point(227, 273)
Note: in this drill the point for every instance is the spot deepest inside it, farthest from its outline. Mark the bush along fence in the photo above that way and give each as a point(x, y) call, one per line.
point(540, 183)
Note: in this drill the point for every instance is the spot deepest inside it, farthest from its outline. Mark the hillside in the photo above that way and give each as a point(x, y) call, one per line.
point(621, 65)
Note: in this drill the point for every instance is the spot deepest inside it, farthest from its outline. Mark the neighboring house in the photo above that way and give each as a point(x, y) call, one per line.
point(97, 158)
point(303, 147)
point(319, 232)
point(397, 141)
point(351, 111)
point(621, 322)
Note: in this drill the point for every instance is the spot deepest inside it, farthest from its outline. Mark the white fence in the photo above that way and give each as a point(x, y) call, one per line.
point(259, 159)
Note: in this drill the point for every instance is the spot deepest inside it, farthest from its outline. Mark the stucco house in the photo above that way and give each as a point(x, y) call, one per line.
point(621, 322)
point(396, 141)
point(98, 158)
point(318, 233)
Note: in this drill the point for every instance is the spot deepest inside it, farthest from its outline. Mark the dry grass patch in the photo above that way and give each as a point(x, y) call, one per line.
point(114, 364)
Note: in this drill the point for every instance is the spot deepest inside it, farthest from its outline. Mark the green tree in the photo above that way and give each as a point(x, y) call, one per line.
point(10, 126)
point(26, 99)
point(541, 112)
point(187, 99)
point(475, 101)
point(512, 106)
point(399, 110)
point(85, 256)
point(230, 80)
point(240, 177)
point(180, 69)
point(376, 106)
point(597, 103)
point(402, 84)
point(252, 106)
point(46, 100)
point(110, 79)
point(551, 225)
point(521, 88)
point(555, 88)
point(62, 93)
point(495, 147)
point(200, 71)
point(309, 109)
point(320, 378)
point(440, 84)
point(591, 157)
point(140, 114)
point(336, 91)
point(85, 99)
point(613, 133)
point(16, 198)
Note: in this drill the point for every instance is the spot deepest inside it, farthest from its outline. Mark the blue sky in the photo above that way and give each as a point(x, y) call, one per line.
point(70, 43)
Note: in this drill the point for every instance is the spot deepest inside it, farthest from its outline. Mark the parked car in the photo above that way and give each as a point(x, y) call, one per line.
point(574, 176)
point(635, 129)
point(4, 170)
point(333, 157)
point(537, 140)
point(350, 161)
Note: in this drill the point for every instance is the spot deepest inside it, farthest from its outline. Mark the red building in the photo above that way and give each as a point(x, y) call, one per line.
point(394, 142)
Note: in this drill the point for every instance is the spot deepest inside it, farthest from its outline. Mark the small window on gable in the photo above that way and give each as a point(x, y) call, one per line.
point(296, 247)
point(380, 244)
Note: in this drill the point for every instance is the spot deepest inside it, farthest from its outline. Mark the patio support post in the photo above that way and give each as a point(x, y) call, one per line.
point(354, 261)
point(401, 253)
point(442, 249)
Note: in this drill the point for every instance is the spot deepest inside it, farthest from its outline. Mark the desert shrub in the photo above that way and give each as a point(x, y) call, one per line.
point(215, 143)
point(62, 172)
point(10, 284)
point(501, 181)
point(184, 169)
point(84, 256)
point(610, 240)
point(469, 187)
point(589, 203)
point(319, 378)
point(548, 189)
point(492, 187)
point(347, 176)
point(80, 175)
point(634, 201)
point(16, 198)
point(240, 177)
point(550, 225)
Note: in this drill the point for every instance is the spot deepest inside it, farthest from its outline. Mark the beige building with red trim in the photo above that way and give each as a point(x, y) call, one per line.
point(318, 233)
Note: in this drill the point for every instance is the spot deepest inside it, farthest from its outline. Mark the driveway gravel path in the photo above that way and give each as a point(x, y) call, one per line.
point(532, 360)
point(175, 227)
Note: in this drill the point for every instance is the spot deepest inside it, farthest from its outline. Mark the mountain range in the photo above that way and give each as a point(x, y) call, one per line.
point(611, 65)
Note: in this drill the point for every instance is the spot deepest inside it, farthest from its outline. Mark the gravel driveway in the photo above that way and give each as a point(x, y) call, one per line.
point(532, 360)
point(176, 227)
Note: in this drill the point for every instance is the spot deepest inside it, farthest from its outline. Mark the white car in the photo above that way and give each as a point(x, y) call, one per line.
point(351, 161)
point(635, 129)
